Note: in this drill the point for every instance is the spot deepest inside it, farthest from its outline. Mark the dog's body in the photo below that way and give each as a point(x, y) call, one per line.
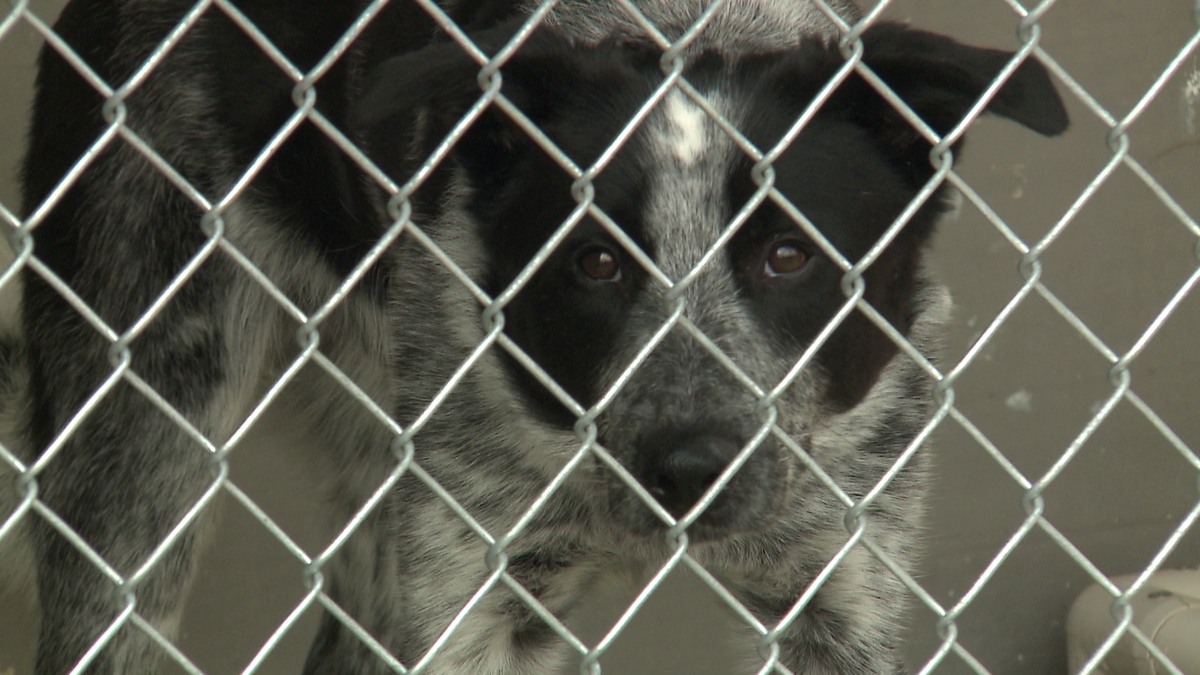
point(128, 474)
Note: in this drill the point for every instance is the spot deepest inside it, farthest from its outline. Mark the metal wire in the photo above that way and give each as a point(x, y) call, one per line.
point(493, 546)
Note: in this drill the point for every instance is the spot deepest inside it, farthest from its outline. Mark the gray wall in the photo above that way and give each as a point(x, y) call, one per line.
point(1031, 390)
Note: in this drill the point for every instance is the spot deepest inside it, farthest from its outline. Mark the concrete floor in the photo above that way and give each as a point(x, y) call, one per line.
point(1031, 390)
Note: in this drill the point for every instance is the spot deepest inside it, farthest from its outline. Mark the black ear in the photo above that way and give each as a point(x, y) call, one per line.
point(438, 75)
point(941, 79)
point(434, 87)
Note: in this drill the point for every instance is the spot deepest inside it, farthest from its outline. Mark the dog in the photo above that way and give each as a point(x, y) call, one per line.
point(522, 376)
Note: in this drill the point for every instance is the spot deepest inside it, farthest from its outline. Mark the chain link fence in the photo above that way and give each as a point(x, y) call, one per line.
point(1031, 486)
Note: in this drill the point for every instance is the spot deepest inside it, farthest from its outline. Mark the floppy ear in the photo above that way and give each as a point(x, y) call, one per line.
point(941, 80)
point(438, 84)
point(437, 74)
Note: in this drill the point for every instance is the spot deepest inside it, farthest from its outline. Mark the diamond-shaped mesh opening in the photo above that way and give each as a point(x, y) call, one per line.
point(1042, 388)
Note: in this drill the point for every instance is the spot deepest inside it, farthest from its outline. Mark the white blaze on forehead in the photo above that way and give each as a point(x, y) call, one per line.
point(688, 160)
point(687, 121)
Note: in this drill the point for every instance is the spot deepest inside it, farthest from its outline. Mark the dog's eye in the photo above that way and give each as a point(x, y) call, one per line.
point(600, 263)
point(784, 257)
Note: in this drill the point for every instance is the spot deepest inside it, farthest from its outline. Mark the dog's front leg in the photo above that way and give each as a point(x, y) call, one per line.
point(407, 578)
point(125, 481)
point(850, 626)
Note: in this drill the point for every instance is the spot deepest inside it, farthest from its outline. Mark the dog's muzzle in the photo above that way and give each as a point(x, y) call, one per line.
point(679, 468)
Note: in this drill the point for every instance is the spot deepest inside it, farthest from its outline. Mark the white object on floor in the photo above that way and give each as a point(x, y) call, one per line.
point(1166, 609)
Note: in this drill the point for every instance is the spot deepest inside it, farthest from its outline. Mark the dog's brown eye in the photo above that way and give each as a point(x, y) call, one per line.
point(785, 257)
point(600, 263)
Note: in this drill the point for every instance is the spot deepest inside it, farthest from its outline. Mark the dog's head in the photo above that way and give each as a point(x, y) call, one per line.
point(687, 286)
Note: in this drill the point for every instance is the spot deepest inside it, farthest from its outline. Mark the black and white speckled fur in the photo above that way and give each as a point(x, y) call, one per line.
point(119, 235)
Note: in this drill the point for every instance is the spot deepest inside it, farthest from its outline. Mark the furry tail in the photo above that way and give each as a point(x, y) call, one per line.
point(16, 562)
point(14, 381)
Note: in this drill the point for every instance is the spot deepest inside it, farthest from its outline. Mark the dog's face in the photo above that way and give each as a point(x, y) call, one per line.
point(757, 285)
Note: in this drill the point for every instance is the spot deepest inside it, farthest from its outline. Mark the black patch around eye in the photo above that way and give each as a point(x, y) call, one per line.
point(850, 189)
point(792, 306)
point(569, 322)
point(569, 315)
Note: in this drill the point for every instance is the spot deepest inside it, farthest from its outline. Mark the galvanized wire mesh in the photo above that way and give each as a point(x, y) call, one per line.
point(493, 545)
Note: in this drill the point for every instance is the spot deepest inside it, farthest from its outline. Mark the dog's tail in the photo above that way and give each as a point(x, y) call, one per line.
point(16, 562)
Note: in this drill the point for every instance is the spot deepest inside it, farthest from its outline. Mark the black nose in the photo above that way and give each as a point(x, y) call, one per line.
point(678, 473)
